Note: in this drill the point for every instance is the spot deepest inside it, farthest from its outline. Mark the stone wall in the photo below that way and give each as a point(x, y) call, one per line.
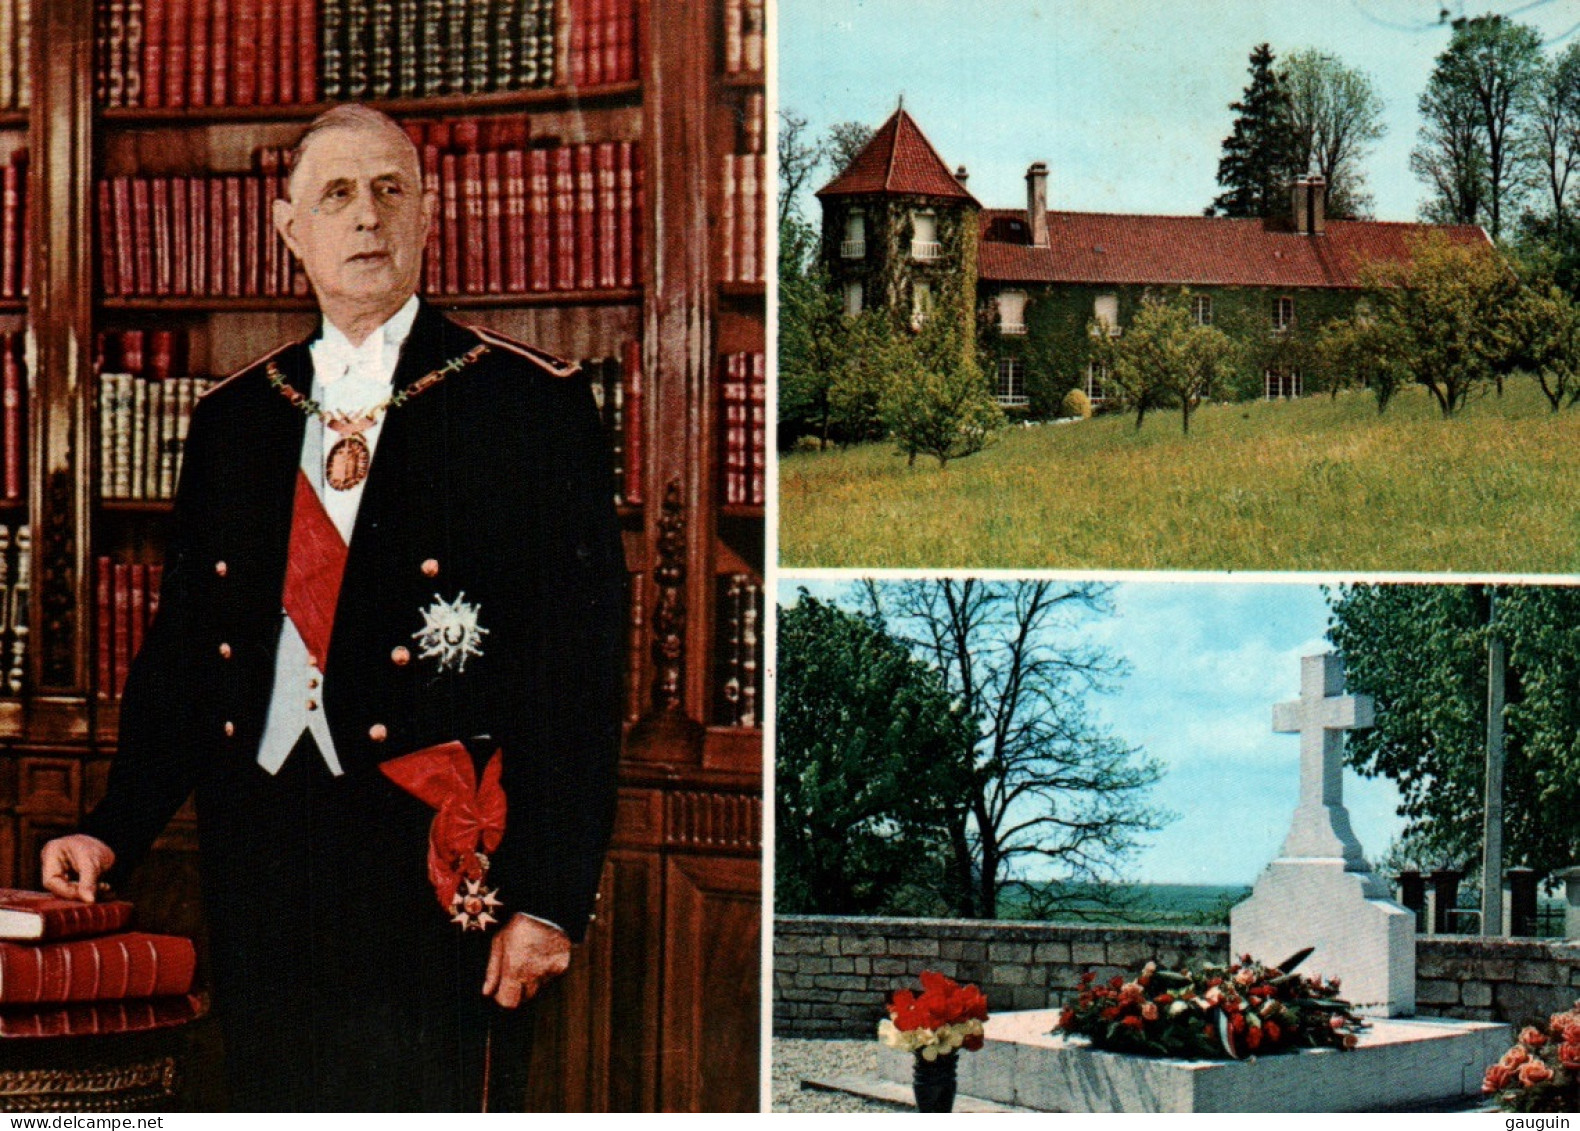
point(831, 974)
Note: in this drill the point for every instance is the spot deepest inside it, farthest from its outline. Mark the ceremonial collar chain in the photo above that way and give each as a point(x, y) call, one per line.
point(349, 459)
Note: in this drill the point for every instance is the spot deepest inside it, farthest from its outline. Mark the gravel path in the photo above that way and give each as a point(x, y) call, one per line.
point(796, 1060)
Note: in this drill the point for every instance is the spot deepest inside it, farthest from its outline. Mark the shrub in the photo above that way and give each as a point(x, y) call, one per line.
point(1077, 404)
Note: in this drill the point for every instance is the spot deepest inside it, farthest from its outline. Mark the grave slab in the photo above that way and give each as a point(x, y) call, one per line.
point(1399, 1065)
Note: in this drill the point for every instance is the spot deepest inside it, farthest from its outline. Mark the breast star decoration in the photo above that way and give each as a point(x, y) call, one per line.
point(450, 633)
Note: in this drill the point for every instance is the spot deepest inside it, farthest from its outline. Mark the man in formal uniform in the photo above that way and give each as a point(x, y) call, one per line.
point(386, 659)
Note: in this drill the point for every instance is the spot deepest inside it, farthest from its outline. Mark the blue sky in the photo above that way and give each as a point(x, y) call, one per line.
point(1127, 101)
point(1208, 660)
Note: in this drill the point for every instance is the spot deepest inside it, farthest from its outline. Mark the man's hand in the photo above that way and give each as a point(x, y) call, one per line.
point(73, 864)
point(527, 955)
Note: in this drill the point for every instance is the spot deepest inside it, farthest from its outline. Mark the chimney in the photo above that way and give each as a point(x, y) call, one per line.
point(962, 176)
point(1317, 205)
point(1037, 203)
point(1299, 206)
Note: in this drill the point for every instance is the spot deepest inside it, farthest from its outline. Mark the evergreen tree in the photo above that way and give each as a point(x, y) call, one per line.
point(1262, 154)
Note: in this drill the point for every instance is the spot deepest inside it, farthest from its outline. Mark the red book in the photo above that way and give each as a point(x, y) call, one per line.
point(219, 53)
point(612, 19)
point(729, 193)
point(592, 40)
point(176, 56)
point(159, 206)
point(132, 352)
point(110, 967)
point(121, 611)
point(539, 221)
point(233, 229)
point(216, 235)
point(153, 52)
point(732, 391)
point(515, 237)
point(137, 599)
point(287, 55)
point(108, 253)
point(578, 43)
point(586, 219)
point(625, 214)
point(269, 172)
point(103, 624)
point(493, 223)
point(156, 577)
point(10, 217)
point(432, 264)
point(125, 239)
point(161, 355)
point(244, 52)
point(757, 441)
point(198, 39)
point(625, 45)
point(607, 213)
point(746, 213)
point(474, 270)
point(96, 1018)
point(637, 236)
point(450, 213)
point(632, 377)
point(142, 236)
point(253, 224)
point(40, 916)
point(562, 163)
point(307, 50)
point(11, 415)
point(268, 53)
point(197, 220)
point(181, 238)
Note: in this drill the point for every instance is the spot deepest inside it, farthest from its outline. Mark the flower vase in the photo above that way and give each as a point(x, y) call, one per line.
point(934, 1081)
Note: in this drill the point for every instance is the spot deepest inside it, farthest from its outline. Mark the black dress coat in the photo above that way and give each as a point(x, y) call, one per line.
point(341, 981)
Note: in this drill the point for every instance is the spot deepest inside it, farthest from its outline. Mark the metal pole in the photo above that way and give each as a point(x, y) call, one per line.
point(1492, 822)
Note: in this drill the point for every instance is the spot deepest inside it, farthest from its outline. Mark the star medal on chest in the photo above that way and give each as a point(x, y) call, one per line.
point(350, 458)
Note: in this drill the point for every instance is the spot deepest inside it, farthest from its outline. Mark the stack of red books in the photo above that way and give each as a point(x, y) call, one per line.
point(69, 968)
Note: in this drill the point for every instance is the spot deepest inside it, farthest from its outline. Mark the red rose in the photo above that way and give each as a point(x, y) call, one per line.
point(1149, 1011)
point(973, 1042)
point(1535, 1072)
point(1067, 1019)
point(1514, 1057)
point(1496, 1079)
point(1089, 977)
point(1569, 1055)
point(1132, 1021)
point(1116, 983)
point(1253, 1038)
point(1110, 1013)
point(1273, 1031)
point(1164, 999)
point(1532, 1037)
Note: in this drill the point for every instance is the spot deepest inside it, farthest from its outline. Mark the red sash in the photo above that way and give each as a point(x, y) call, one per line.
point(471, 817)
point(314, 567)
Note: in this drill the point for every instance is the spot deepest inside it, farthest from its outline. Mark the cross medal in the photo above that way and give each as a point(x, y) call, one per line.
point(349, 458)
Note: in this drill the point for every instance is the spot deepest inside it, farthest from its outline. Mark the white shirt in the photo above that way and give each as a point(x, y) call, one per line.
point(348, 379)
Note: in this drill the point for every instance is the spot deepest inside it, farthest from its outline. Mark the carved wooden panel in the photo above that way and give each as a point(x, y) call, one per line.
point(51, 786)
point(714, 822)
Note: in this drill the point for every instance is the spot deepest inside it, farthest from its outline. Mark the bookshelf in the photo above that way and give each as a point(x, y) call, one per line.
point(661, 1008)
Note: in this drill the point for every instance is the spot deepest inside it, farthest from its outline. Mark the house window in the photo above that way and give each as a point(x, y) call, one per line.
point(1106, 311)
point(853, 298)
point(854, 245)
point(1283, 314)
point(1281, 384)
point(924, 235)
point(921, 304)
point(1012, 312)
point(1012, 383)
point(1201, 309)
point(1096, 382)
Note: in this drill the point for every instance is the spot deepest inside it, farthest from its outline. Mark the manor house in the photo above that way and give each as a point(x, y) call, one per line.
point(902, 233)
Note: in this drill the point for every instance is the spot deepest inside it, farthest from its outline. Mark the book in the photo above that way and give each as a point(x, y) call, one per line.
point(37, 915)
point(13, 390)
point(540, 223)
point(109, 967)
point(153, 61)
point(586, 234)
point(608, 248)
point(515, 225)
point(199, 33)
point(177, 28)
point(97, 1018)
point(564, 186)
point(631, 373)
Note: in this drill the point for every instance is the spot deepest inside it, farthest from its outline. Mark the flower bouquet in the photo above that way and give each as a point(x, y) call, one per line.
point(1244, 1009)
point(944, 1017)
point(1542, 1072)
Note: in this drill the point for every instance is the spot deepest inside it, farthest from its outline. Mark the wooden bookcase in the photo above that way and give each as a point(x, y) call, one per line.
point(661, 1010)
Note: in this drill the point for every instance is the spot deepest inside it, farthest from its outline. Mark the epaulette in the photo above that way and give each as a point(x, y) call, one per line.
point(554, 366)
point(249, 367)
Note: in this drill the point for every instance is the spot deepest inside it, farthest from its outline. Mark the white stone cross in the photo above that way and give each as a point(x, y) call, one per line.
point(1320, 716)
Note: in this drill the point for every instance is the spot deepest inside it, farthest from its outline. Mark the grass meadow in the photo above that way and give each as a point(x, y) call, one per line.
point(1311, 484)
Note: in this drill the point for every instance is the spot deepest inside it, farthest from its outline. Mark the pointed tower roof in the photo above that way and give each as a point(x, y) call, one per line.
point(899, 160)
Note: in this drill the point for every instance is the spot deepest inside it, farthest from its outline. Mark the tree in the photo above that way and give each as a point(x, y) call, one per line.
point(1365, 352)
point(844, 141)
point(1260, 155)
point(1557, 117)
point(1476, 111)
point(1164, 359)
point(1055, 797)
point(1420, 652)
point(1336, 113)
point(873, 755)
point(1542, 327)
point(935, 400)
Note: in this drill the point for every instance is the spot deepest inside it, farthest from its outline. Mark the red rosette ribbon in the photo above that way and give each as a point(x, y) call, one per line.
point(471, 814)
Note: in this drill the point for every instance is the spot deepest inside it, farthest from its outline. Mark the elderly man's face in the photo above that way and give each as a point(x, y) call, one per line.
point(357, 218)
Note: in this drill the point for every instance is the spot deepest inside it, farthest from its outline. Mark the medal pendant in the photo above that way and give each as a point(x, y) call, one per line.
point(348, 463)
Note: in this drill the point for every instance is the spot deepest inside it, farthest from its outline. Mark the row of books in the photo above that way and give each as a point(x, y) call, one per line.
point(16, 30)
point(142, 430)
point(544, 219)
point(13, 422)
point(16, 574)
point(738, 648)
point(55, 951)
point(603, 42)
point(744, 392)
point(126, 596)
point(181, 53)
point(411, 48)
point(745, 24)
point(617, 389)
point(743, 199)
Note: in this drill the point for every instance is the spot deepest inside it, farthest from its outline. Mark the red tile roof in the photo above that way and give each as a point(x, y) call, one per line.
point(899, 159)
point(1092, 247)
